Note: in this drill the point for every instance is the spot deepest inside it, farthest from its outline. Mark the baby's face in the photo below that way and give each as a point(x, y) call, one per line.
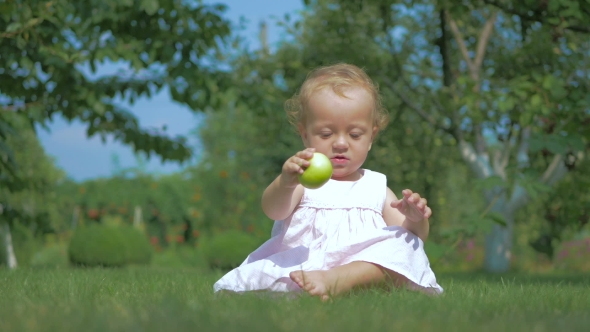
point(341, 128)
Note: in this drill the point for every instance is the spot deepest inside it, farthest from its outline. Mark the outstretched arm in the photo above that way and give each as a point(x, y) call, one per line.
point(282, 196)
point(411, 212)
point(278, 201)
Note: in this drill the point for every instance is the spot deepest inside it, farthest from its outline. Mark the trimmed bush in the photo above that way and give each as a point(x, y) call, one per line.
point(229, 249)
point(109, 246)
point(51, 256)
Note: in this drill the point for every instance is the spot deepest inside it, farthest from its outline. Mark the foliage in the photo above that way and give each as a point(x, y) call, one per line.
point(574, 255)
point(165, 200)
point(500, 83)
point(50, 256)
point(565, 209)
point(109, 246)
point(28, 200)
point(24, 243)
point(236, 143)
point(47, 46)
point(228, 249)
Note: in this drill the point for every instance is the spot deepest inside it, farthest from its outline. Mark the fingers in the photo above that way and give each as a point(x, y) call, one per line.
point(421, 203)
point(294, 165)
point(414, 198)
point(298, 162)
point(427, 213)
point(301, 159)
point(305, 154)
point(414, 202)
point(407, 193)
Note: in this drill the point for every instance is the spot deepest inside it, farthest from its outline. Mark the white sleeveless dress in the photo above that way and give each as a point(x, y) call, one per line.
point(337, 224)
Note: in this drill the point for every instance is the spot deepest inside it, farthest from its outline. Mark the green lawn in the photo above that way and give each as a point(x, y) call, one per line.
point(148, 299)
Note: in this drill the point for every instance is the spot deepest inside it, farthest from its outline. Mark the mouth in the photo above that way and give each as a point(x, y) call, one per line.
point(339, 159)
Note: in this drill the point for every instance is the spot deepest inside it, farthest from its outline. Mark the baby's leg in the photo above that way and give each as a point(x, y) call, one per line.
point(344, 278)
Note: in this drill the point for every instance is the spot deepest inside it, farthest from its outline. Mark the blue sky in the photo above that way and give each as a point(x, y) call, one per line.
point(84, 158)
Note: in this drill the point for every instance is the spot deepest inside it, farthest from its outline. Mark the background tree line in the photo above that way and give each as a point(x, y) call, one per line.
point(489, 104)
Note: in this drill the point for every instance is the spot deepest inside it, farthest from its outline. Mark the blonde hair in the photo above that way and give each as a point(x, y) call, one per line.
point(338, 77)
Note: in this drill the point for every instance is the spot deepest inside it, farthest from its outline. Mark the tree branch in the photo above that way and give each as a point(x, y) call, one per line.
point(483, 41)
point(474, 65)
point(461, 42)
point(33, 22)
point(501, 159)
point(527, 17)
point(555, 171)
point(399, 69)
point(444, 50)
point(430, 119)
point(480, 144)
point(522, 155)
point(18, 108)
point(410, 104)
point(479, 163)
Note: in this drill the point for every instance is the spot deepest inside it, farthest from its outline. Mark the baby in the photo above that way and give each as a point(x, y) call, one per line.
point(353, 231)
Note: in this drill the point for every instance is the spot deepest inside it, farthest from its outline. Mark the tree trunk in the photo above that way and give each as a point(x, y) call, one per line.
point(6, 240)
point(137, 218)
point(75, 217)
point(498, 243)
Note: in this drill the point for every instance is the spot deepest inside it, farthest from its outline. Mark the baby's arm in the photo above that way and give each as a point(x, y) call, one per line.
point(282, 196)
point(278, 202)
point(393, 217)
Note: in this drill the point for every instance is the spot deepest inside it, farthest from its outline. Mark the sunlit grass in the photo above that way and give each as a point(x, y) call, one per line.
point(138, 299)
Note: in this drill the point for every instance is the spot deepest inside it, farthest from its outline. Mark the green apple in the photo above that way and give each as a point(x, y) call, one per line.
point(318, 172)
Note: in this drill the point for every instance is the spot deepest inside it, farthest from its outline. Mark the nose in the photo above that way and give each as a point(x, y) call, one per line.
point(340, 143)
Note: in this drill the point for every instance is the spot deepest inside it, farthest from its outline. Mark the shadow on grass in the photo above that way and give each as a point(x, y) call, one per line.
point(517, 278)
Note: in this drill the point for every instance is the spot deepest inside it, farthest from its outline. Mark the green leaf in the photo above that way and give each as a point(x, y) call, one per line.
point(498, 218)
point(490, 182)
point(536, 101)
point(537, 142)
point(506, 104)
point(556, 144)
point(150, 6)
point(575, 142)
point(558, 92)
point(14, 26)
point(525, 118)
point(21, 43)
point(435, 250)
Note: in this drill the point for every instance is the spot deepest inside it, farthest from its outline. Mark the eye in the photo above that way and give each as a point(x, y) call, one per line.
point(355, 135)
point(325, 134)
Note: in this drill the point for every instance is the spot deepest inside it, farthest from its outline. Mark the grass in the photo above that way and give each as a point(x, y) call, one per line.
point(149, 299)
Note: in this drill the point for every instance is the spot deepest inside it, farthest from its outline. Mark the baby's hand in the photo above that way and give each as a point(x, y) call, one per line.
point(295, 166)
point(412, 206)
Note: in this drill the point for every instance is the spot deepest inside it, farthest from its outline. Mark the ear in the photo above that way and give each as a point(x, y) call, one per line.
point(303, 134)
point(373, 136)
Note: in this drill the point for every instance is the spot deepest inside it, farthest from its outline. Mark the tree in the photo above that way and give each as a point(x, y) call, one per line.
point(528, 95)
point(45, 45)
point(509, 87)
point(250, 134)
point(505, 83)
point(33, 205)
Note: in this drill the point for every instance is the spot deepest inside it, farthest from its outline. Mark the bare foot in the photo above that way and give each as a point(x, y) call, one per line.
point(315, 283)
point(343, 278)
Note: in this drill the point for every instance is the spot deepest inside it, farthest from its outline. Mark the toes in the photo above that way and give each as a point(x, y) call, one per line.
point(310, 288)
point(296, 276)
